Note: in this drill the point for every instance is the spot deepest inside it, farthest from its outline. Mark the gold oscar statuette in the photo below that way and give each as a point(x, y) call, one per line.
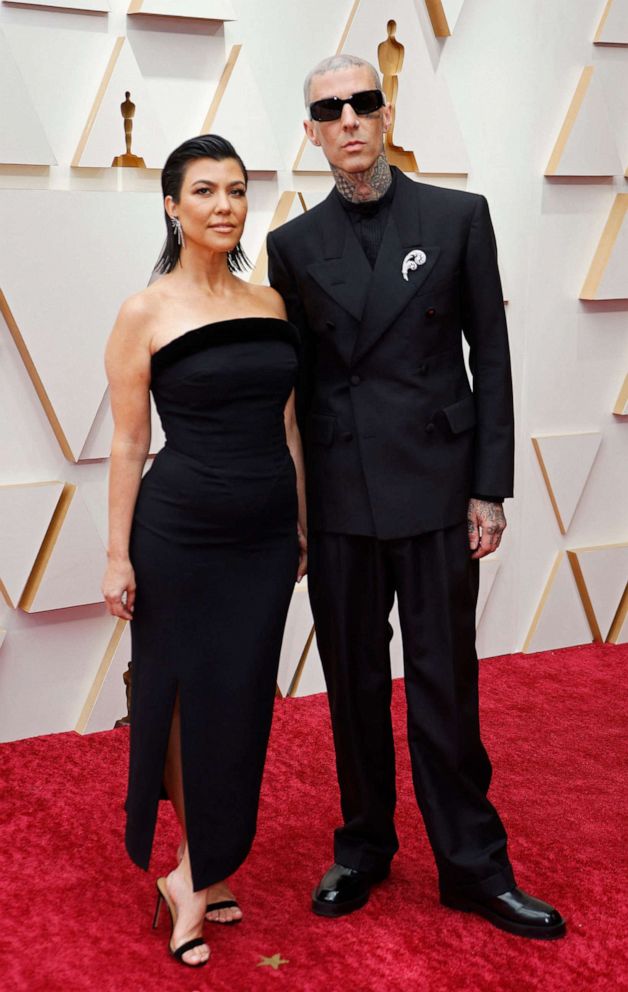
point(128, 160)
point(390, 55)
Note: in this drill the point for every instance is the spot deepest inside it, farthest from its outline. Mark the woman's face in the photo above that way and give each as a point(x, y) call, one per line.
point(212, 205)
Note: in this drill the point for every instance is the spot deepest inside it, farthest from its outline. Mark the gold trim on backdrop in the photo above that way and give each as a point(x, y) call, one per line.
point(438, 17)
point(600, 27)
point(548, 484)
point(572, 557)
point(605, 247)
point(223, 82)
point(52, 534)
point(280, 217)
point(296, 678)
point(542, 602)
point(5, 595)
point(621, 403)
point(101, 674)
point(24, 485)
point(80, 148)
point(35, 378)
point(570, 119)
point(619, 619)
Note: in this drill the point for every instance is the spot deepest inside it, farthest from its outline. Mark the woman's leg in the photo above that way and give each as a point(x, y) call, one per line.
point(190, 905)
point(173, 780)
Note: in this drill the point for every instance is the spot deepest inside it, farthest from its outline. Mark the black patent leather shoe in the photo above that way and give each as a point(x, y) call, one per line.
point(514, 911)
point(343, 890)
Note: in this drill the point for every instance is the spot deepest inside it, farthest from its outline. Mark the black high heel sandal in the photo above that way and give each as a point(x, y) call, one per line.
point(162, 896)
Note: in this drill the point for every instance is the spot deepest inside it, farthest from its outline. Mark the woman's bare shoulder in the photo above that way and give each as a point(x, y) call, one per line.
point(269, 299)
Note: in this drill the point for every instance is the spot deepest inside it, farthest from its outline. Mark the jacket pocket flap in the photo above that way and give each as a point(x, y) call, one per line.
point(321, 428)
point(461, 415)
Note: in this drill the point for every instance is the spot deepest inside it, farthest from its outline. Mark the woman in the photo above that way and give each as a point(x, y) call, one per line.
point(204, 550)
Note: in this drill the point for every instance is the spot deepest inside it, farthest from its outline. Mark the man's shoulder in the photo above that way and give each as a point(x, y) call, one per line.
point(299, 227)
point(441, 196)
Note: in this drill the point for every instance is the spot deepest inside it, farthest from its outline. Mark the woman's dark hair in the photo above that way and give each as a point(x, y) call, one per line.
point(205, 146)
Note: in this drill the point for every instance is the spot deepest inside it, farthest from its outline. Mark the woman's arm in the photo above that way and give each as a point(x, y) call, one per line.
point(127, 360)
point(293, 440)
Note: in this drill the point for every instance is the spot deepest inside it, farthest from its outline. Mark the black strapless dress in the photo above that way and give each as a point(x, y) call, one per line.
point(215, 551)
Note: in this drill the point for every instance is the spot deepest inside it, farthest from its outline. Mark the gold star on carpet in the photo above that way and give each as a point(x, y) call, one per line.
point(274, 962)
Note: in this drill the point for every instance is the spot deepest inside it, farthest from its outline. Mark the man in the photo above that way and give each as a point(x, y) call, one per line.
point(406, 472)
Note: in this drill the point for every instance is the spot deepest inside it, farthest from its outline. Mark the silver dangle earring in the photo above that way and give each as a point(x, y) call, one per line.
point(178, 231)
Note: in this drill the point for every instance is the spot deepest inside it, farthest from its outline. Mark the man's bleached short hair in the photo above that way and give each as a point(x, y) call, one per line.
point(333, 63)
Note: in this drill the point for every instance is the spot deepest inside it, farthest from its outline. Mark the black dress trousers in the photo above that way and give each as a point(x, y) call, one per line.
point(352, 582)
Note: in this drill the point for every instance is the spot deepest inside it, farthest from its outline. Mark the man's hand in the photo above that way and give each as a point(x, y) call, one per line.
point(486, 524)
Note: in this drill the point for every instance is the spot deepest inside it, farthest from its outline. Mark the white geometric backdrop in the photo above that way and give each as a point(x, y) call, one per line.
point(525, 102)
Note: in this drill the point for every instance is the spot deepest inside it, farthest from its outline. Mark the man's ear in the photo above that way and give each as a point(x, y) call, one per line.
point(310, 130)
point(387, 116)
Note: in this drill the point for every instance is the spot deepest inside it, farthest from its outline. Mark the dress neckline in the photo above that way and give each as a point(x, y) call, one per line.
point(213, 323)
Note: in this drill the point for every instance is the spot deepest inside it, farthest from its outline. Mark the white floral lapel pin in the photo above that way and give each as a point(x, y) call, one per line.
point(412, 261)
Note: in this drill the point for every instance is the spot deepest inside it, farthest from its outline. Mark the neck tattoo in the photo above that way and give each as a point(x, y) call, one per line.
point(362, 187)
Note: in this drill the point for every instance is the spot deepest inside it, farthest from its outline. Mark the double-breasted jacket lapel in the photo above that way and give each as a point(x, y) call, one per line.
point(373, 297)
point(389, 293)
point(344, 272)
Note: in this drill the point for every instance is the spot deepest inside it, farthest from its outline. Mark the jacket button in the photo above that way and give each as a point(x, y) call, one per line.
point(422, 369)
point(429, 428)
point(330, 324)
point(347, 436)
point(355, 380)
point(431, 312)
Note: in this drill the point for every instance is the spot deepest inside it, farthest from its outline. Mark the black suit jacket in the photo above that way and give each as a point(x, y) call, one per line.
point(396, 441)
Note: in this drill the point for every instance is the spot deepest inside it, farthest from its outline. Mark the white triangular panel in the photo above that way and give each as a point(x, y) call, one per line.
point(103, 137)
point(23, 140)
point(242, 118)
point(98, 443)
point(444, 14)
point(212, 10)
point(62, 99)
point(489, 567)
point(90, 6)
point(76, 566)
point(396, 646)
point(115, 241)
point(613, 284)
point(560, 620)
point(613, 27)
point(298, 626)
point(106, 700)
point(425, 119)
point(586, 145)
point(25, 514)
point(566, 461)
point(291, 205)
point(605, 573)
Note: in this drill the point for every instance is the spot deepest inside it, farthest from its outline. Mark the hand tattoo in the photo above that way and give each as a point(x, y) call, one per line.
point(486, 522)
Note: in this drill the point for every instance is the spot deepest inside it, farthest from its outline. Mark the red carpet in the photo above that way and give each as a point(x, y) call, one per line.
point(77, 913)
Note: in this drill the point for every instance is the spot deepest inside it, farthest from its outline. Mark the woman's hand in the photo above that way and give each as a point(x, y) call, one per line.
point(118, 588)
point(302, 569)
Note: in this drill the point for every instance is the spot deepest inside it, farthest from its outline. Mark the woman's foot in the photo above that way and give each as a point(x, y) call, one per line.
point(220, 893)
point(190, 915)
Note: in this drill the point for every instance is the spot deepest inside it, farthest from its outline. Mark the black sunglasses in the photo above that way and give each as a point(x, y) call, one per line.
point(330, 109)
